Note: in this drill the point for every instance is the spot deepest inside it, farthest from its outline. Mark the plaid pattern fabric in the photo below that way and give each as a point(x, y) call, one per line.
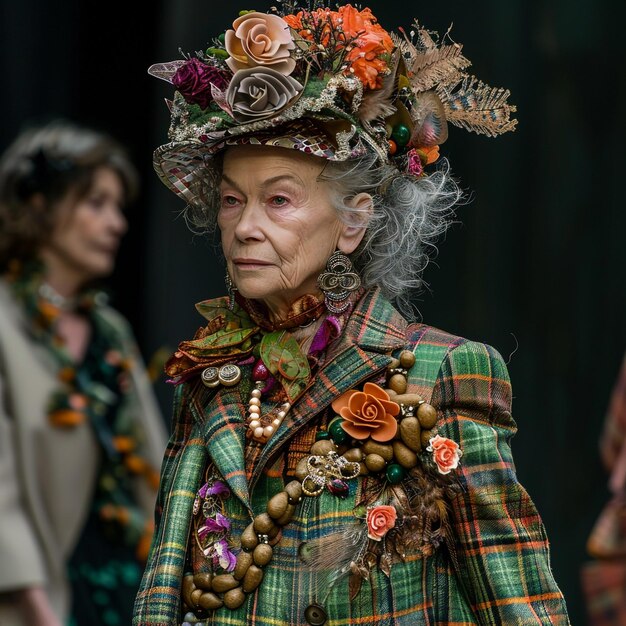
point(604, 584)
point(503, 574)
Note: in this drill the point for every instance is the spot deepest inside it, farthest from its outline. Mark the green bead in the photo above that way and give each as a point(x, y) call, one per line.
point(322, 434)
point(395, 473)
point(337, 433)
point(221, 38)
point(401, 135)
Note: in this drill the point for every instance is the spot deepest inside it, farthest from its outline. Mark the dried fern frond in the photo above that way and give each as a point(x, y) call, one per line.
point(477, 107)
point(428, 64)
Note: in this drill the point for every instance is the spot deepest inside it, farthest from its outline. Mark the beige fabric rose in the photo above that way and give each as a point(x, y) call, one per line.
point(255, 93)
point(259, 39)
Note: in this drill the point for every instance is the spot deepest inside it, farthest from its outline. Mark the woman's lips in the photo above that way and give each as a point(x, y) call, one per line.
point(250, 263)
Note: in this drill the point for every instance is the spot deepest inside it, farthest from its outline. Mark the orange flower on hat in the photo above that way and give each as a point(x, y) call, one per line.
point(368, 43)
point(368, 413)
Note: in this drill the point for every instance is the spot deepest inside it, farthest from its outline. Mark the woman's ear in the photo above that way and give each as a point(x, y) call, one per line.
point(352, 234)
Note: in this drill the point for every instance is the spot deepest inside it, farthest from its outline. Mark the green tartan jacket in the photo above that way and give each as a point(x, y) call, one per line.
point(501, 573)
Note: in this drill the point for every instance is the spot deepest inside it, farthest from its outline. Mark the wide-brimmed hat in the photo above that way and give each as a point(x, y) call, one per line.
point(330, 83)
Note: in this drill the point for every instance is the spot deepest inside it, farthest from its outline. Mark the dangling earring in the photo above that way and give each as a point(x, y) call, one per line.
point(231, 290)
point(338, 282)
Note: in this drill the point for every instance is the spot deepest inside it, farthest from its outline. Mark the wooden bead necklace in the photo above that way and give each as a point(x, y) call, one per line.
point(333, 459)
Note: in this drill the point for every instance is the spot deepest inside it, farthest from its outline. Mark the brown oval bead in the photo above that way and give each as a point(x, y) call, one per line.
point(427, 415)
point(263, 523)
point(391, 393)
point(342, 448)
point(408, 399)
point(407, 359)
point(277, 505)
point(363, 471)
point(374, 462)
point(294, 491)
point(262, 554)
point(224, 582)
point(244, 561)
point(410, 433)
point(381, 449)
point(398, 383)
point(322, 447)
point(195, 597)
point(354, 455)
point(288, 516)
point(209, 601)
point(275, 536)
point(249, 539)
point(273, 532)
point(252, 579)
point(404, 455)
point(188, 587)
point(425, 437)
point(203, 580)
point(302, 469)
point(234, 598)
point(394, 363)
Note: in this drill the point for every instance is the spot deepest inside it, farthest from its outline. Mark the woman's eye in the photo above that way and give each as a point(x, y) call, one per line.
point(279, 201)
point(95, 202)
point(229, 201)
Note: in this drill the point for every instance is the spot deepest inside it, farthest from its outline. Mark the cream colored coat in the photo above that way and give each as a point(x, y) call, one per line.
point(47, 474)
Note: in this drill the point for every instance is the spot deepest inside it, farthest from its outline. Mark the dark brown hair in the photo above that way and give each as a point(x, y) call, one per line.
point(48, 163)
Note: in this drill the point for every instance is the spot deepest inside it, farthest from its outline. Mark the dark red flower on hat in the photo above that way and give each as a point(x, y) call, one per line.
point(194, 79)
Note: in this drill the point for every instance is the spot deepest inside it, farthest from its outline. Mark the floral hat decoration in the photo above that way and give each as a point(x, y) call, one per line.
point(331, 83)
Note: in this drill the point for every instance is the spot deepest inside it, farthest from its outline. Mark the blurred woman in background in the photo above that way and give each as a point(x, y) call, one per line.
point(80, 431)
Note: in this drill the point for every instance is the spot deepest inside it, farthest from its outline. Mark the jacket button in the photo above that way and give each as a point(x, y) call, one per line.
point(305, 552)
point(315, 615)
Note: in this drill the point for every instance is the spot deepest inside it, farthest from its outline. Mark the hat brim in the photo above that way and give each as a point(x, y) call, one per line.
point(179, 164)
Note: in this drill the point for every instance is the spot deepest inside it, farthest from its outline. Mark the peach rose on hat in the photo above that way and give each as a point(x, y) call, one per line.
point(260, 39)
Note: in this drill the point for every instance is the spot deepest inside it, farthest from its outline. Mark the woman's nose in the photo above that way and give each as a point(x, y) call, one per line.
point(117, 220)
point(248, 225)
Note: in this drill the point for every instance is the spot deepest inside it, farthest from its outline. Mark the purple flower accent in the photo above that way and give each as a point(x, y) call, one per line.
point(217, 525)
point(414, 165)
point(225, 557)
point(218, 489)
point(194, 79)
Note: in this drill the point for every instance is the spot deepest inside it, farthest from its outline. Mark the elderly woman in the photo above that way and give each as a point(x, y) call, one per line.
point(331, 462)
point(79, 427)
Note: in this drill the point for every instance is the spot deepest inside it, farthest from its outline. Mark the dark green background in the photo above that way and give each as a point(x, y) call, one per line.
point(534, 265)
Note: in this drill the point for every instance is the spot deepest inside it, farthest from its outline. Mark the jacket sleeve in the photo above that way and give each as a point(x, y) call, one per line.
point(501, 544)
point(20, 552)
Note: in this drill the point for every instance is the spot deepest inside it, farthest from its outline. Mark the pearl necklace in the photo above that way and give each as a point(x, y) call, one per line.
point(262, 426)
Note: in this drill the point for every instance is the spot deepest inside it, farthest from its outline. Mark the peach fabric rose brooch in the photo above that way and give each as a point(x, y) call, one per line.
point(380, 520)
point(446, 453)
point(368, 413)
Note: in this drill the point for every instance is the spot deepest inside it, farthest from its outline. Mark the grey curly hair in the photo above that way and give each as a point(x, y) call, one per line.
point(409, 214)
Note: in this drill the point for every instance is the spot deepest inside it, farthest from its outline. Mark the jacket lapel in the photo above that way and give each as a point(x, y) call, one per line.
point(223, 429)
point(373, 331)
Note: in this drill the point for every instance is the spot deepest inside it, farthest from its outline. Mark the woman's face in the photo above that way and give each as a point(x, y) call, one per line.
point(87, 232)
point(277, 223)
